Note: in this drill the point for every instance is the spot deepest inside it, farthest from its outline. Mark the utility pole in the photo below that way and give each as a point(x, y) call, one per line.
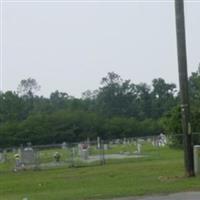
point(183, 82)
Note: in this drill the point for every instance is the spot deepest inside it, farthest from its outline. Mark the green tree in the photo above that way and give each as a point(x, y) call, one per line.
point(116, 97)
point(28, 87)
point(194, 88)
point(12, 107)
point(144, 101)
point(163, 97)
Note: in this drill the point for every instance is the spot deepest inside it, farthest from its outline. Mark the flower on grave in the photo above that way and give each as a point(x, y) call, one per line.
point(17, 156)
point(57, 156)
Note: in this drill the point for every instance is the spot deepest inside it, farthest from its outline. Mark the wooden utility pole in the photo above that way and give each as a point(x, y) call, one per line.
point(183, 81)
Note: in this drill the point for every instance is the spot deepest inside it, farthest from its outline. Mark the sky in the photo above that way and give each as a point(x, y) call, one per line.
point(69, 46)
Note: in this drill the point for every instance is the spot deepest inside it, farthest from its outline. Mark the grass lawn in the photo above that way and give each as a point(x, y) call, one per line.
point(127, 177)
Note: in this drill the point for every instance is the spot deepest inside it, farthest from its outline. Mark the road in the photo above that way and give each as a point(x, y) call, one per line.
point(177, 196)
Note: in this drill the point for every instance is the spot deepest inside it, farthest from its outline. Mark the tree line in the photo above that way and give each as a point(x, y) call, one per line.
point(117, 109)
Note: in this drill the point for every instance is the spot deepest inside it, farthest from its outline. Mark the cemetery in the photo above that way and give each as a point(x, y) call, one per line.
point(155, 169)
point(85, 153)
point(116, 139)
point(93, 169)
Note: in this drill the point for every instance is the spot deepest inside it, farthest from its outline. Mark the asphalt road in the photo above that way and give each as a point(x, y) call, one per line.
point(177, 196)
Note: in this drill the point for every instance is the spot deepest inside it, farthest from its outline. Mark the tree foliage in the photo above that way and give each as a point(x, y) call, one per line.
point(118, 108)
point(172, 120)
point(28, 87)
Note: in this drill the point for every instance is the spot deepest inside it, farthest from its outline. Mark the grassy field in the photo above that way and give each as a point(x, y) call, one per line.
point(128, 177)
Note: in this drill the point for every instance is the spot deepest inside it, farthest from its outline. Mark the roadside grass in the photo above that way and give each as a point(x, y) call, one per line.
point(163, 173)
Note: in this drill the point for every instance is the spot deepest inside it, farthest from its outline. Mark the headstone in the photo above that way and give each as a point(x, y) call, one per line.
point(164, 139)
point(73, 152)
point(139, 148)
point(84, 151)
point(161, 140)
point(5, 155)
point(64, 145)
point(79, 149)
point(141, 140)
point(28, 156)
point(155, 141)
point(98, 143)
point(29, 147)
point(124, 141)
point(2, 159)
point(105, 147)
point(17, 162)
point(14, 150)
point(117, 141)
point(149, 140)
point(111, 142)
point(88, 142)
point(84, 154)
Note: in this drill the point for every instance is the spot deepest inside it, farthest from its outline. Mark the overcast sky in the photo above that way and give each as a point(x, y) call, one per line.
point(70, 46)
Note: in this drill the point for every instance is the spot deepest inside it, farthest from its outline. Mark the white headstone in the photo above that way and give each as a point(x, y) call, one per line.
point(1, 157)
point(105, 147)
point(98, 143)
point(139, 148)
point(64, 145)
point(124, 141)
